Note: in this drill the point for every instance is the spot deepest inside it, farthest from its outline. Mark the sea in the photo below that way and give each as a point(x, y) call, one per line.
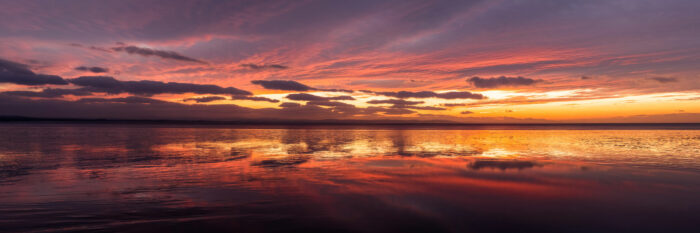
point(119, 177)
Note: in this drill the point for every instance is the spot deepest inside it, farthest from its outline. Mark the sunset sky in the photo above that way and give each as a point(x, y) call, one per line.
point(463, 61)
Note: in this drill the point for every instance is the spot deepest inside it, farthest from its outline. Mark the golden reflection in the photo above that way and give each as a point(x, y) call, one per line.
point(161, 173)
point(566, 145)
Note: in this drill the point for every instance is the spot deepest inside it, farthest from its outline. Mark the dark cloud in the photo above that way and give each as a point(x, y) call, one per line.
point(110, 85)
point(290, 105)
point(329, 104)
point(135, 107)
point(14, 67)
point(508, 110)
point(125, 100)
point(289, 85)
point(254, 98)
point(344, 108)
point(49, 93)
point(395, 102)
point(459, 95)
point(93, 69)
point(264, 66)
point(466, 112)
point(12, 72)
point(91, 47)
point(205, 99)
point(585, 77)
point(431, 94)
point(453, 104)
point(421, 107)
point(285, 85)
point(158, 53)
point(664, 79)
point(408, 94)
point(310, 97)
point(500, 81)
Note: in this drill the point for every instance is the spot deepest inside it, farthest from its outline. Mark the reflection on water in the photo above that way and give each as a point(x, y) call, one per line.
point(146, 179)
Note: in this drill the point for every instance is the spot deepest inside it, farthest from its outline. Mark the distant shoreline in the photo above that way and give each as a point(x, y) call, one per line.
point(247, 123)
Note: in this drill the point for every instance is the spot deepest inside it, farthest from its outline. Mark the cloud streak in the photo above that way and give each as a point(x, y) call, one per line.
point(110, 85)
point(500, 82)
point(205, 99)
point(124, 100)
point(395, 102)
point(254, 98)
point(49, 93)
point(431, 94)
point(664, 79)
point(310, 97)
point(147, 52)
point(93, 69)
point(264, 66)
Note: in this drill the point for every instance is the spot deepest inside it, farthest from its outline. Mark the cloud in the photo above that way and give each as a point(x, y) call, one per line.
point(147, 52)
point(310, 97)
point(135, 107)
point(466, 112)
point(405, 104)
point(254, 98)
point(395, 102)
point(422, 107)
point(205, 99)
point(49, 93)
point(431, 94)
point(389, 83)
point(285, 85)
point(664, 79)
point(264, 66)
point(124, 100)
point(93, 69)
point(16, 73)
point(345, 108)
point(110, 85)
point(329, 104)
point(459, 95)
point(290, 105)
point(91, 47)
point(337, 90)
point(500, 81)
point(408, 94)
point(585, 78)
point(454, 104)
point(289, 85)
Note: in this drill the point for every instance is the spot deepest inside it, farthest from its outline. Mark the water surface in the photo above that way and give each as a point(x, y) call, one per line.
point(148, 178)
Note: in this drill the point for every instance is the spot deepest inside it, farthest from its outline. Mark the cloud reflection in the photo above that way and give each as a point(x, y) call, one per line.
point(345, 177)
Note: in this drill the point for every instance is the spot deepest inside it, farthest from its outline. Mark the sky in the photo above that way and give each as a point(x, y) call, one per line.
point(534, 61)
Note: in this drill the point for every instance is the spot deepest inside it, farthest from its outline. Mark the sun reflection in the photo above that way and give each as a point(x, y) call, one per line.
point(499, 153)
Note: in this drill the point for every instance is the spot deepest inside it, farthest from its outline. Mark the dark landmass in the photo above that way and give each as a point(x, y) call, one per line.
point(271, 123)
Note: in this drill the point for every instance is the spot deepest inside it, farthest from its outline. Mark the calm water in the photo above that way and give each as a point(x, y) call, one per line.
point(144, 178)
